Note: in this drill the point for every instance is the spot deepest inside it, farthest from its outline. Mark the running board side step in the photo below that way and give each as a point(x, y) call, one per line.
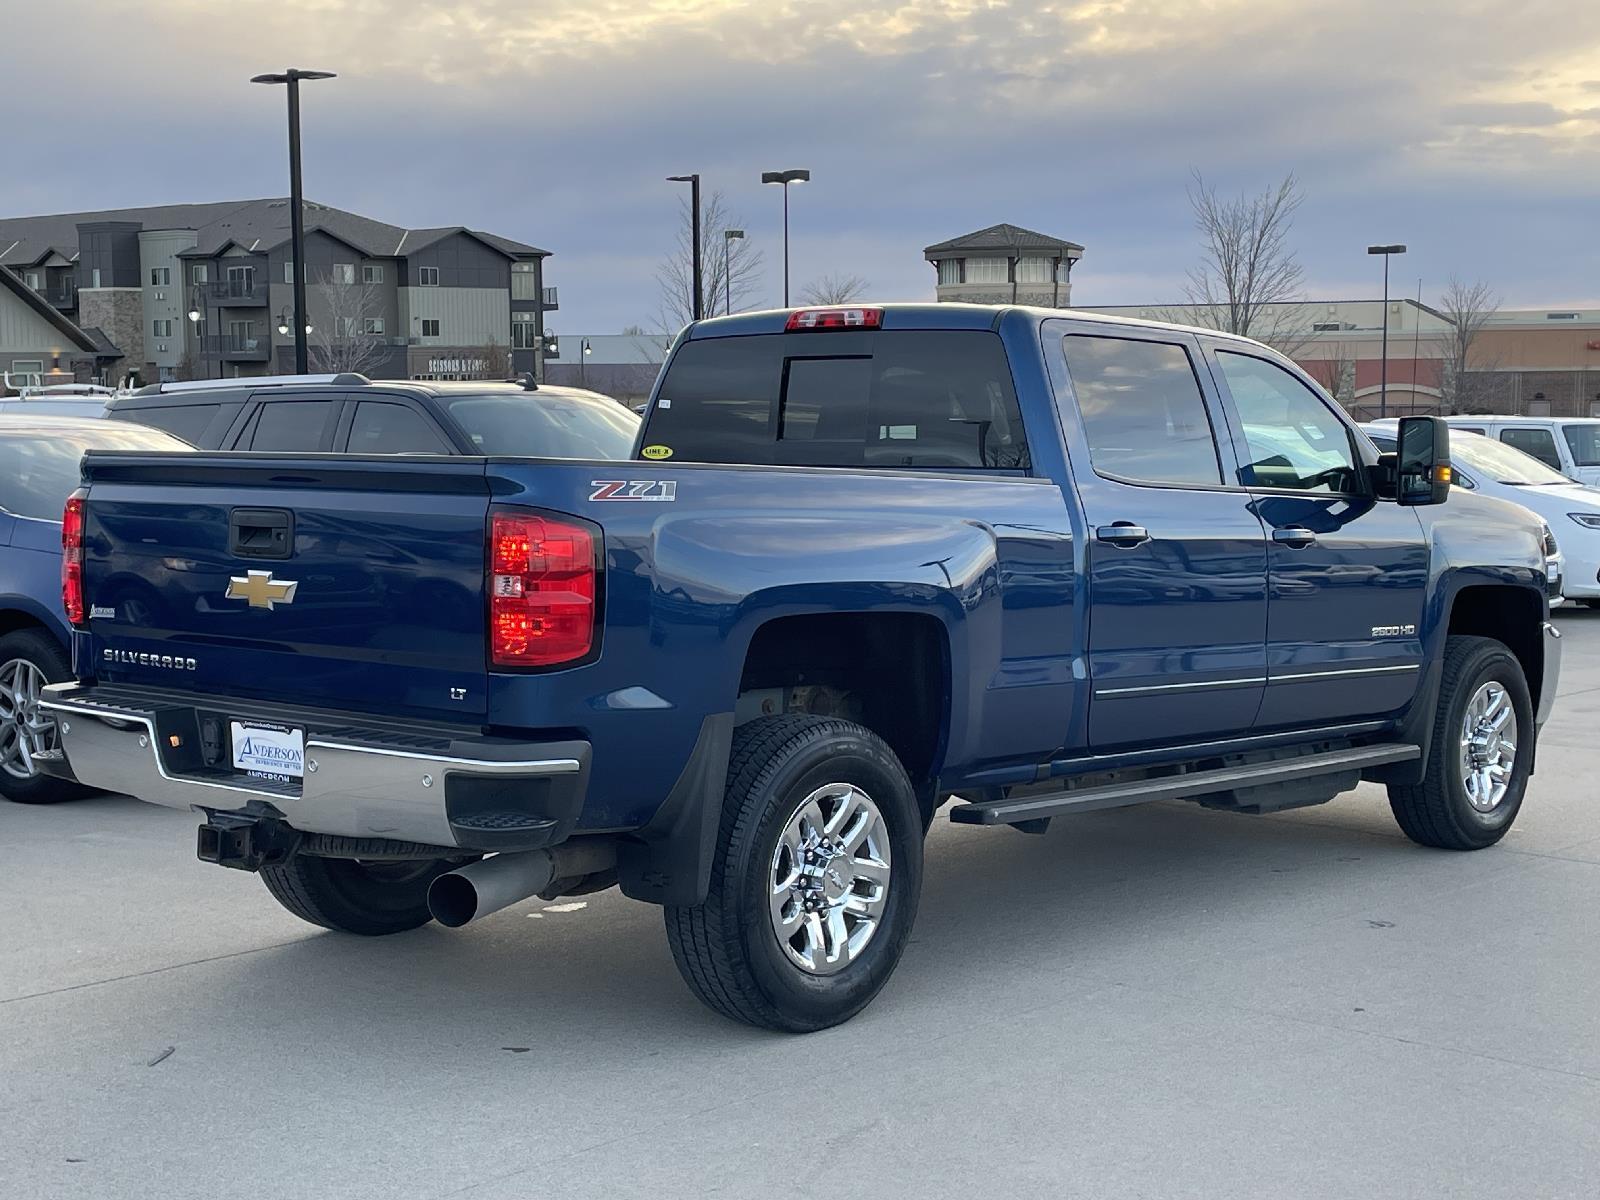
point(1016, 810)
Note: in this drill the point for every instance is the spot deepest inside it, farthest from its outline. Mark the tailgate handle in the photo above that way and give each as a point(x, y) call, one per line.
point(261, 533)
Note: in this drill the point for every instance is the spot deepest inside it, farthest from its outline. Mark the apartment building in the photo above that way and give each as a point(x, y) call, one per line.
point(206, 291)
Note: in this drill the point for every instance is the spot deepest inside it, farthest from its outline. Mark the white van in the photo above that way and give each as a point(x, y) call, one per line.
point(1570, 445)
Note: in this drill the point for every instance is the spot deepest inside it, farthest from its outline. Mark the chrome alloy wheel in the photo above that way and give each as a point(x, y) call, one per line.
point(1488, 746)
point(830, 878)
point(26, 730)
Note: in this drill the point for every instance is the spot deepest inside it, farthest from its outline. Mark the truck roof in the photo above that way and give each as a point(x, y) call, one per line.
point(932, 315)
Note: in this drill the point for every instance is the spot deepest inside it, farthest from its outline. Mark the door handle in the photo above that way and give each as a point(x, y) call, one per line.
point(1122, 533)
point(1297, 536)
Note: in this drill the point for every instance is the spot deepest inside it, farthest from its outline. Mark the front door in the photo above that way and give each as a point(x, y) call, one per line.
point(1176, 558)
point(1348, 572)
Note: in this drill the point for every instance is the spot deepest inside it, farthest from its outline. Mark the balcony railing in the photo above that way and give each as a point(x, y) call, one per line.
point(238, 347)
point(234, 292)
point(64, 296)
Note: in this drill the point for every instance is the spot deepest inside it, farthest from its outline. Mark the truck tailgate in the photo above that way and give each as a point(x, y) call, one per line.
point(355, 584)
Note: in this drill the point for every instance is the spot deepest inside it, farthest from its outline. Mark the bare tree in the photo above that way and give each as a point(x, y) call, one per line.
point(347, 333)
point(1248, 280)
point(730, 270)
point(1464, 377)
point(834, 289)
point(189, 365)
point(492, 360)
point(1335, 371)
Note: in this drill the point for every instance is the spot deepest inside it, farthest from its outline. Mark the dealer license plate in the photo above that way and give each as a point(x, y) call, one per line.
point(269, 751)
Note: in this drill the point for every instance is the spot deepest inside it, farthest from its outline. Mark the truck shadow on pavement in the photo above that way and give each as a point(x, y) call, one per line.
point(1103, 897)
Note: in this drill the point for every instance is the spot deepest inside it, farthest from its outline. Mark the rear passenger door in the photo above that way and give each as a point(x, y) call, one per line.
point(291, 423)
point(1176, 558)
point(1348, 572)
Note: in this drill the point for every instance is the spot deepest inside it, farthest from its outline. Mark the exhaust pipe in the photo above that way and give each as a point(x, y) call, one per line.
point(487, 886)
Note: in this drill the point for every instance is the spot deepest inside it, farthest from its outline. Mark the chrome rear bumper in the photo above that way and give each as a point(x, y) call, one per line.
point(486, 794)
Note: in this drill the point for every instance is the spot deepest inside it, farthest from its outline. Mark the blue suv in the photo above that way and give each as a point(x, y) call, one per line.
point(39, 458)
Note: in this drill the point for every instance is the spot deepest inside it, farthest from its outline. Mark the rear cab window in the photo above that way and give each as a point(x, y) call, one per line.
point(908, 399)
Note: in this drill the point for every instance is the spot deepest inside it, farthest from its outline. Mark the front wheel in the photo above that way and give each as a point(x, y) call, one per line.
point(815, 884)
point(351, 896)
point(1482, 751)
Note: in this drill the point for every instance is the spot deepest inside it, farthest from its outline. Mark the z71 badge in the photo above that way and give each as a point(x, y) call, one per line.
point(634, 489)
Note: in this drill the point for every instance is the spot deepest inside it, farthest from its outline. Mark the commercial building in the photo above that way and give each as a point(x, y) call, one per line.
point(1533, 362)
point(1005, 264)
point(206, 291)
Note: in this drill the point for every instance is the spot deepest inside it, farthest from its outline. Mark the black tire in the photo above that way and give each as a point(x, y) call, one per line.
point(47, 656)
point(1436, 812)
point(371, 899)
point(725, 947)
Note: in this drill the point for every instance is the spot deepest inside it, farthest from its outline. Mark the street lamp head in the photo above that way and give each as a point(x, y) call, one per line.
point(683, 178)
point(729, 235)
point(194, 315)
point(1396, 248)
point(292, 73)
point(796, 176)
point(587, 349)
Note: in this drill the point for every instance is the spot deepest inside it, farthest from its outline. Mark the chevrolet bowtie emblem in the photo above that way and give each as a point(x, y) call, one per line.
point(261, 589)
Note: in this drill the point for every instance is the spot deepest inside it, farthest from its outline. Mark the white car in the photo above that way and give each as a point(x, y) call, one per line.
point(1570, 509)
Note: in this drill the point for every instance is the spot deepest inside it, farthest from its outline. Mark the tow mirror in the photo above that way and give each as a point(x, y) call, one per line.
point(1422, 465)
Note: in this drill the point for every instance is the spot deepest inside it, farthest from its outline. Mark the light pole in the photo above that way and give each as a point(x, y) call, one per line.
point(785, 178)
point(729, 236)
point(1383, 385)
point(694, 233)
point(196, 315)
point(297, 231)
point(583, 363)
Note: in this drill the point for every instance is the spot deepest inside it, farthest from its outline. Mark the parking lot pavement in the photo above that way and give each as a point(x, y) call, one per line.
point(1158, 1001)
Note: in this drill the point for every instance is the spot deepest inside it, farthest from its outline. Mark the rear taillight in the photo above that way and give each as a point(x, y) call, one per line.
point(543, 578)
point(72, 560)
point(834, 318)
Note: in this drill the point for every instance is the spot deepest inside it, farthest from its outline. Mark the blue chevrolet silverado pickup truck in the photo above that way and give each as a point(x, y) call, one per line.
point(864, 560)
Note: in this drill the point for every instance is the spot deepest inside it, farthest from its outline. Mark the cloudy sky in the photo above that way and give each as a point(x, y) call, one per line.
point(1469, 130)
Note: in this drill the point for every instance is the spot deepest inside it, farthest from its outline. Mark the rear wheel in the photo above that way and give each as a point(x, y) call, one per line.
point(352, 896)
point(29, 659)
point(816, 880)
point(1482, 750)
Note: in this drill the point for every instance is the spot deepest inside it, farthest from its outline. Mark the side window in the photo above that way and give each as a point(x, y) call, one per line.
point(187, 421)
point(1292, 439)
point(381, 428)
point(1540, 443)
point(288, 426)
point(1469, 429)
point(1143, 411)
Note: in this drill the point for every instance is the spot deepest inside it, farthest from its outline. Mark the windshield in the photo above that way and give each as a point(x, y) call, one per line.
point(545, 425)
point(1584, 442)
point(1502, 463)
point(39, 467)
